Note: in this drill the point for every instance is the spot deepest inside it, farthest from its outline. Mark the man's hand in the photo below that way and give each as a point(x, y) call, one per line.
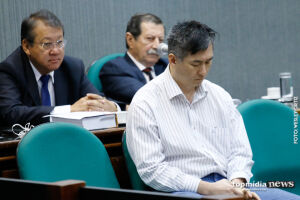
point(93, 102)
point(224, 187)
point(240, 183)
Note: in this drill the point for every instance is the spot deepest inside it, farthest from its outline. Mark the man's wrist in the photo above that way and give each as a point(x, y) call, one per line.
point(204, 187)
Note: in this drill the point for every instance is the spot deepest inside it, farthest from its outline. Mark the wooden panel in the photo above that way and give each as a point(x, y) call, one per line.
point(120, 168)
point(76, 190)
point(33, 190)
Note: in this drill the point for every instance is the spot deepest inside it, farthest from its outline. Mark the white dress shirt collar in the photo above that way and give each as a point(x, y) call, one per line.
point(174, 90)
point(137, 63)
point(38, 75)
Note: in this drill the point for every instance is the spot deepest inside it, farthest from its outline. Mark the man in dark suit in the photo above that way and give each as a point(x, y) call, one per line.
point(123, 76)
point(37, 79)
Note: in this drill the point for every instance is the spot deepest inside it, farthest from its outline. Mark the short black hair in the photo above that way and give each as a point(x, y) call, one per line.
point(134, 24)
point(29, 23)
point(189, 37)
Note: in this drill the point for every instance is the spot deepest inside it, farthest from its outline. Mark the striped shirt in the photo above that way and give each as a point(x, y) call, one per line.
point(174, 143)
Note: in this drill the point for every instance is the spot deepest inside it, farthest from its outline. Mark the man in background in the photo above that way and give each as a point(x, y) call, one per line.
point(37, 79)
point(123, 76)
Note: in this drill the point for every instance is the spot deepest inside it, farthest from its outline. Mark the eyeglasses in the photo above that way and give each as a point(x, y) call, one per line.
point(50, 45)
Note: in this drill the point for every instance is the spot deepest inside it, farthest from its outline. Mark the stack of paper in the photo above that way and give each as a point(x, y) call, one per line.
point(88, 120)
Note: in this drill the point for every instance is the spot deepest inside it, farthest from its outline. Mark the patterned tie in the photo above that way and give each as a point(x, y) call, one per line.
point(147, 71)
point(46, 101)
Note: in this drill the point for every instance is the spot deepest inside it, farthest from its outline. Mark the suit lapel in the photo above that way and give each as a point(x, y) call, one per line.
point(137, 71)
point(31, 83)
point(60, 87)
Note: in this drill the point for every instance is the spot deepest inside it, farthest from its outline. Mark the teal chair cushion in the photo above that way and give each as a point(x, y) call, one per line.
point(94, 70)
point(59, 151)
point(270, 128)
point(136, 181)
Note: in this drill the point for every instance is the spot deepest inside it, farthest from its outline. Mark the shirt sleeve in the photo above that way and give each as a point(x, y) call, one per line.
point(147, 152)
point(240, 159)
point(61, 109)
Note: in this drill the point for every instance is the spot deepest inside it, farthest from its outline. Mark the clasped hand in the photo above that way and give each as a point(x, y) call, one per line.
point(93, 102)
point(225, 187)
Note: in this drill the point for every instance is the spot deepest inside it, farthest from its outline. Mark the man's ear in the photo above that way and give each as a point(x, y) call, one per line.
point(129, 39)
point(172, 58)
point(26, 46)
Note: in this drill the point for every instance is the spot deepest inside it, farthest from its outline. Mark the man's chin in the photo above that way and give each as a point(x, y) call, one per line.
point(198, 81)
point(54, 67)
point(152, 62)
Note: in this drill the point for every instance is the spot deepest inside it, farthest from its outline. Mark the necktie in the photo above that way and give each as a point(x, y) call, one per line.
point(45, 96)
point(147, 71)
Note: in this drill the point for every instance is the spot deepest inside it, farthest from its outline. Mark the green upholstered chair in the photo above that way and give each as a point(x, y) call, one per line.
point(136, 181)
point(270, 128)
point(94, 70)
point(59, 151)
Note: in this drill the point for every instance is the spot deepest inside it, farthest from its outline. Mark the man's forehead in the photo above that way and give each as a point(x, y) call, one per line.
point(201, 56)
point(152, 28)
point(44, 31)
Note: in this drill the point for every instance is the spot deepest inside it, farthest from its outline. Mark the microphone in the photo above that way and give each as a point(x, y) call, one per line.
point(162, 49)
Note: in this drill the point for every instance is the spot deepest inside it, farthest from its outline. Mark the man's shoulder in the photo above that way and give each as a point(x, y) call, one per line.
point(72, 63)
point(118, 61)
point(215, 89)
point(70, 59)
point(14, 59)
point(122, 62)
point(153, 90)
point(119, 65)
point(210, 85)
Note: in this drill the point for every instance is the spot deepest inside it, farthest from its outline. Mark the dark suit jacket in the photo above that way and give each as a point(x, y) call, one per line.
point(19, 95)
point(121, 78)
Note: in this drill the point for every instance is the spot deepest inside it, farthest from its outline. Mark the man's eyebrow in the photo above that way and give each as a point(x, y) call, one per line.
point(200, 61)
point(49, 38)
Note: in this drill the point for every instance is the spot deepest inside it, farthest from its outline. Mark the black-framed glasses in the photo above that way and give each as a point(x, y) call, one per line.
point(51, 45)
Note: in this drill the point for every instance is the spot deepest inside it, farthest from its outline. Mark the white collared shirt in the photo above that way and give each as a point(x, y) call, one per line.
point(174, 143)
point(142, 67)
point(38, 75)
point(57, 109)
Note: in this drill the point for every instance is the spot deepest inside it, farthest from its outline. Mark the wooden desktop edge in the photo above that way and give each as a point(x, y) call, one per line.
point(76, 189)
point(102, 132)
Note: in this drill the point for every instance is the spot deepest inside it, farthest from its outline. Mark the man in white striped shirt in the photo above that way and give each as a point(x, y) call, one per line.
point(183, 132)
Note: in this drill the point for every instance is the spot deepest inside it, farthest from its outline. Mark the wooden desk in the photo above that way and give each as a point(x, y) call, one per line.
point(76, 190)
point(34, 190)
point(111, 138)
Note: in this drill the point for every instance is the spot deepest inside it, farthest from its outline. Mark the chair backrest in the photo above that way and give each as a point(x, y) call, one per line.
point(59, 151)
point(270, 128)
point(94, 70)
point(135, 180)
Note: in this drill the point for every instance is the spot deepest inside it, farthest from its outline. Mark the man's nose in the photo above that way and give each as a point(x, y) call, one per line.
point(55, 50)
point(202, 70)
point(155, 43)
